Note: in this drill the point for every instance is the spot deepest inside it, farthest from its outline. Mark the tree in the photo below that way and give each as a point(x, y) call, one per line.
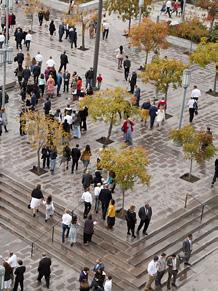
point(205, 54)
point(129, 165)
point(192, 29)
point(196, 145)
point(163, 72)
point(41, 131)
point(212, 8)
point(32, 7)
point(127, 9)
point(84, 17)
point(108, 105)
point(149, 36)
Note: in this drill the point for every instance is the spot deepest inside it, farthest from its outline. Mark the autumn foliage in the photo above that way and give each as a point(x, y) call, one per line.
point(129, 164)
point(149, 36)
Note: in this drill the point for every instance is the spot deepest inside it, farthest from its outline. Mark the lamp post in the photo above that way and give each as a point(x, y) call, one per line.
point(185, 84)
point(6, 53)
point(183, 10)
point(97, 42)
point(141, 4)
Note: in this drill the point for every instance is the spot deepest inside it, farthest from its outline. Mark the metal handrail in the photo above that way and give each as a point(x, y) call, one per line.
point(51, 229)
point(203, 205)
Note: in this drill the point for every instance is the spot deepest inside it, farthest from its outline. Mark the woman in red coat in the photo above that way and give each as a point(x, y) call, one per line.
point(127, 129)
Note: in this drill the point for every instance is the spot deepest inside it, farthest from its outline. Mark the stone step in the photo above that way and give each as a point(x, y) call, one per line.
point(198, 244)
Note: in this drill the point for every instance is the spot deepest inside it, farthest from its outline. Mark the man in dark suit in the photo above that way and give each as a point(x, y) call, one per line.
point(105, 198)
point(19, 271)
point(173, 263)
point(44, 269)
point(75, 154)
point(145, 213)
point(87, 179)
point(187, 249)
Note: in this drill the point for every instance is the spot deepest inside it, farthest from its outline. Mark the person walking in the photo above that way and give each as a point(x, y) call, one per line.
point(66, 78)
point(73, 37)
point(145, 213)
point(120, 57)
point(132, 82)
point(105, 197)
point(66, 221)
point(44, 269)
point(53, 157)
point(88, 230)
point(89, 77)
point(152, 273)
point(83, 279)
point(173, 264)
point(153, 114)
point(105, 31)
point(97, 191)
point(169, 8)
point(52, 29)
point(28, 40)
point(126, 66)
point(131, 220)
point(40, 17)
point(7, 276)
point(127, 129)
point(187, 249)
point(108, 284)
point(160, 116)
point(161, 269)
point(193, 109)
point(215, 173)
point(49, 207)
point(75, 154)
point(87, 199)
point(41, 83)
point(137, 94)
point(36, 199)
point(2, 40)
point(50, 86)
point(196, 93)
point(111, 214)
point(99, 81)
point(4, 119)
point(47, 106)
point(19, 276)
point(86, 156)
point(145, 111)
point(73, 230)
point(61, 31)
point(64, 61)
point(87, 179)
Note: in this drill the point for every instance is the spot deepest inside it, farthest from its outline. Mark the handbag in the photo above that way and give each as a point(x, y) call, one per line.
point(84, 284)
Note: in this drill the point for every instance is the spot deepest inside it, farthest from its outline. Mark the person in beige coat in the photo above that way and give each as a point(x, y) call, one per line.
point(27, 60)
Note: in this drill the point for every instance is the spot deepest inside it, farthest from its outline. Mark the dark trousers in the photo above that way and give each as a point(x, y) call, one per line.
point(104, 208)
point(88, 206)
point(214, 178)
point(47, 278)
point(152, 119)
point(74, 163)
point(186, 257)
point(19, 45)
point(61, 66)
point(46, 161)
point(132, 86)
point(83, 124)
point(145, 223)
point(105, 33)
point(159, 277)
point(73, 43)
point(168, 12)
point(35, 78)
point(66, 86)
point(131, 227)
point(126, 73)
point(28, 45)
point(87, 237)
point(64, 229)
point(191, 114)
point(171, 273)
point(16, 284)
point(42, 88)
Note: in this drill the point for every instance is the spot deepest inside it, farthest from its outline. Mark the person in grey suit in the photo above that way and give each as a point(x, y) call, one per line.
point(187, 249)
point(173, 263)
point(145, 213)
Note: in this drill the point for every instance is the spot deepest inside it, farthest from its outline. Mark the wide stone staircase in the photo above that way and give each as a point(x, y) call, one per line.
point(125, 261)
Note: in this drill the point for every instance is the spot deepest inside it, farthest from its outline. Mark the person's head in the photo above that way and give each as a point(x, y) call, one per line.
point(90, 217)
point(132, 208)
point(99, 184)
point(146, 205)
point(66, 210)
point(163, 255)
point(86, 269)
point(38, 53)
point(112, 202)
point(11, 254)
point(127, 57)
point(49, 199)
point(38, 187)
point(77, 146)
point(43, 255)
point(195, 87)
point(155, 258)
point(50, 57)
point(109, 277)
point(173, 256)
point(42, 76)
point(189, 236)
point(87, 148)
point(47, 98)
point(20, 262)
point(7, 266)
point(64, 52)
point(208, 128)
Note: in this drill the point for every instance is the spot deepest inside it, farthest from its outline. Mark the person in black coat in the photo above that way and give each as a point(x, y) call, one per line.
point(75, 154)
point(26, 74)
point(215, 173)
point(19, 273)
point(105, 198)
point(153, 114)
point(145, 213)
point(132, 82)
point(83, 113)
point(97, 178)
point(64, 61)
point(18, 38)
point(73, 37)
point(19, 58)
point(44, 269)
point(52, 28)
point(87, 179)
point(46, 156)
point(131, 220)
point(36, 73)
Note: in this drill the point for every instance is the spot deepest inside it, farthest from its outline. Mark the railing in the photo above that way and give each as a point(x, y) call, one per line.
point(203, 205)
point(52, 231)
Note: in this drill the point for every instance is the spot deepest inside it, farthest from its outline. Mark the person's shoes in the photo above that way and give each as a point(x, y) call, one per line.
point(71, 244)
point(212, 185)
point(174, 285)
point(34, 215)
point(128, 233)
point(187, 264)
point(37, 210)
point(46, 220)
point(168, 288)
point(133, 236)
point(145, 233)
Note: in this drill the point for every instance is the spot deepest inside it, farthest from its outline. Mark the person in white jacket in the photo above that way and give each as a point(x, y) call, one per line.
point(28, 40)
point(108, 284)
point(160, 116)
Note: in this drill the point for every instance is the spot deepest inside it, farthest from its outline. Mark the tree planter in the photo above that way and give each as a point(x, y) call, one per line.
point(167, 115)
point(37, 171)
point(104, 140)
point(212, 93)
point(83, 48)
point(189, 178)
point(121, 213)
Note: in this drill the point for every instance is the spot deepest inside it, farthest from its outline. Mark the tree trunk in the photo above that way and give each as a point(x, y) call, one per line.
point(38, 164)
point(191, 44)
point(215, 80)
point(129, 26)
point(123, 200)
point(190, 170)
point(83, 35)
point(146, 58)
point(31, 27)
point(166, 93)
point(110, 128)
